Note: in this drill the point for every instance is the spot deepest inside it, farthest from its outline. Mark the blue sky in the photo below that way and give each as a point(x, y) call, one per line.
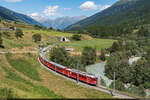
point(57, 8)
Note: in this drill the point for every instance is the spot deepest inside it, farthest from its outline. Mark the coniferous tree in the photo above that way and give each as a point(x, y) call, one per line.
point(115, 47)
point(1, 41)
point(102, 56)
point(88, 56)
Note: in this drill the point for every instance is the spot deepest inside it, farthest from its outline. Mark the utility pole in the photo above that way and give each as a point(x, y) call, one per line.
point(114, 81)
point(55, 66)
point(77, 72)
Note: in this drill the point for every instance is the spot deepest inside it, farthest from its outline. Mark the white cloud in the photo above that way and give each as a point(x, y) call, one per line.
point(36, 16)
point(12, 0)
point(90, 5)
point(33, 14)
point(51, 11)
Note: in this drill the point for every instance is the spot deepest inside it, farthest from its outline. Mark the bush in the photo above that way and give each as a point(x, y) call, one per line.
point(36, 37)
point(51, 28)
point(19, 33)
point(146, 85)
point(6, 93)
point(102, 56)
point(38, 27)
point(6, 34)
point(76, 37)
point(1, 41)
point(103, 83)
point(138, 90)
point(115, 47)
point(118, 85)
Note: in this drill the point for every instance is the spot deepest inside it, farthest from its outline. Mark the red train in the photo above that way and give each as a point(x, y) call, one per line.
point(72, 73)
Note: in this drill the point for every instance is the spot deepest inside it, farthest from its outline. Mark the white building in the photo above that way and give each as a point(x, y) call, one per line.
point(133, 59)
point(64, 39)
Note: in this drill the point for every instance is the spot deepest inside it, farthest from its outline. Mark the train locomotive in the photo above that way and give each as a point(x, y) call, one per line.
point(72, 73)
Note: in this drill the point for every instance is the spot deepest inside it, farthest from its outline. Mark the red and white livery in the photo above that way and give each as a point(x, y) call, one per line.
point(72, 73)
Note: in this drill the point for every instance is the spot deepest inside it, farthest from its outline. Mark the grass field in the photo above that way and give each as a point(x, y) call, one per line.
point(21, 75)
point(49, 86)
point(96, 43)
point(50, 32)
point(24, 66)
point(49, 37)
point(18, 86)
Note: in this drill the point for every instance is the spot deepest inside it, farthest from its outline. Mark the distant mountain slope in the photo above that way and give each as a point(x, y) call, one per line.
point(124, 11)
point(62, 22)
point(7, 14)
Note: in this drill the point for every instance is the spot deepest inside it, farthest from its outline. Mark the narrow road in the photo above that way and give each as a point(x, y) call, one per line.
point(99, 88)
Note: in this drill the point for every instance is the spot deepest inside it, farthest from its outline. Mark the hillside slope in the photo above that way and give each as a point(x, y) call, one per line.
point(7, 14)
point(124, 11)
point(37, 82)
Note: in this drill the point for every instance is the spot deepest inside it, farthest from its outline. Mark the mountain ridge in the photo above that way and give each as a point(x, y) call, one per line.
point(120, 12)
point(8, 14)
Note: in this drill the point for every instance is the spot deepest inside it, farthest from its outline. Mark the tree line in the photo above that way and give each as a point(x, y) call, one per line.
point(61, 56)
point(137, 74)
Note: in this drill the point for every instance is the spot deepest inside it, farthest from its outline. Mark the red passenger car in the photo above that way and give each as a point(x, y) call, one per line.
point(72, 73)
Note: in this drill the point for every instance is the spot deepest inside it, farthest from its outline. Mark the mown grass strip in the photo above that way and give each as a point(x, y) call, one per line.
point(96, 43)
point(24, 67)
point(27, 87)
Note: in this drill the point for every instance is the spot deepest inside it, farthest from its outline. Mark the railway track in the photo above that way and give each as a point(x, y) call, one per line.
point(99, 88)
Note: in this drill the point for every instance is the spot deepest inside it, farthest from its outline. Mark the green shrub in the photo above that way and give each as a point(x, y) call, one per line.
point(76, 37)
point(7, 93)
point(36, 37)
point(1, 41)
point(19, 33)
point(7, 34)
point(118, 85)
point(102, 56)
point(103, 83)
point(138, 90)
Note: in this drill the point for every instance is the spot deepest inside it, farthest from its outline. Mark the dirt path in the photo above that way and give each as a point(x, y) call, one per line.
point(15, 52)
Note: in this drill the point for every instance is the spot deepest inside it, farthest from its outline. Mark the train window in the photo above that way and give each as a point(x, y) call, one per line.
point(93, 79)
point(60, 68)
point(73, 73)
point(84, 76)
point(80, 75)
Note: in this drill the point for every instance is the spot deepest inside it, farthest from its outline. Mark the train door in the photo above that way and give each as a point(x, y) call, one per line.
point(88, 80)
